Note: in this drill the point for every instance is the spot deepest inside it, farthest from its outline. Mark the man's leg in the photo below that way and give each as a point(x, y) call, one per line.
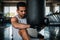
point(24, 34)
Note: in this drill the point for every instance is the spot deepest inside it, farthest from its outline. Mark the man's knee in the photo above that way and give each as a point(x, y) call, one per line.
point(24, 35)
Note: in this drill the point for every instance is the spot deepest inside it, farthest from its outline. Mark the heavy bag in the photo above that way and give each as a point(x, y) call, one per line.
point(35, 12)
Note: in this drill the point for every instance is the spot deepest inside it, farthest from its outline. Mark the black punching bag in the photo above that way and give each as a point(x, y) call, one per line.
point(35, 12)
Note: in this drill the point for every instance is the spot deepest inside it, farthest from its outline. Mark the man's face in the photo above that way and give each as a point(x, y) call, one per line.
point(21, 11)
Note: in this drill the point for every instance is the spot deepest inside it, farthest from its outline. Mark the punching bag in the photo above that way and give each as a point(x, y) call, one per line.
point(35, 12)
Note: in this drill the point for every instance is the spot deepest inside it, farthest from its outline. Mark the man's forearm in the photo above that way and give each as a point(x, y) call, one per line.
point(21, 26)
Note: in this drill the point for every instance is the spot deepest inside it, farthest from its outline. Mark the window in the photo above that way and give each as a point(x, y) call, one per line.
point(10, 11)
point(56, 9)
point(47, 10)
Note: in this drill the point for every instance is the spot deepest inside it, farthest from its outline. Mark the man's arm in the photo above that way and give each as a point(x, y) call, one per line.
point(18, 25)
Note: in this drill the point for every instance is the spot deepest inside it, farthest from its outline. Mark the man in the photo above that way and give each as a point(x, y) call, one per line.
point(19, 23)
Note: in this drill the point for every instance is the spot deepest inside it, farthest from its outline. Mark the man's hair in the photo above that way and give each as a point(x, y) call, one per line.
point(21, 4)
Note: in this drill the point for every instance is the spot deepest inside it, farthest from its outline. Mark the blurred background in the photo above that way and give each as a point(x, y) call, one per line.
point(52, 11)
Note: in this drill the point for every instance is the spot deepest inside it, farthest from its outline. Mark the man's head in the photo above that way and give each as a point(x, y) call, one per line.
point(21, 9)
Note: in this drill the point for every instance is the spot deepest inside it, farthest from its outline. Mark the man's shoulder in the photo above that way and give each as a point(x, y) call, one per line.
point(13, 19)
